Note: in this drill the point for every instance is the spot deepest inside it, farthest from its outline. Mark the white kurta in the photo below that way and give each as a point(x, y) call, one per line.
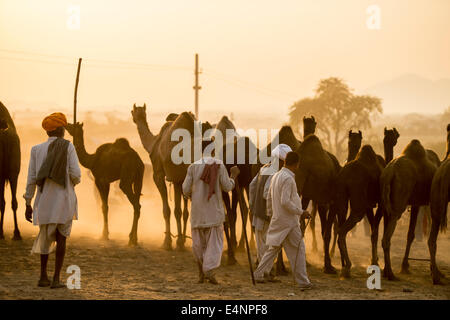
point(206, 213)
point(55, 204)
point(284, 203)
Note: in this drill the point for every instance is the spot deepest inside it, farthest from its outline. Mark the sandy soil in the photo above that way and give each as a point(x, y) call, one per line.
point(112, 270)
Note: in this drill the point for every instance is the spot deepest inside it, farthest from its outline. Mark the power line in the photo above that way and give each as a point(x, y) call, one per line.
point(116, 64)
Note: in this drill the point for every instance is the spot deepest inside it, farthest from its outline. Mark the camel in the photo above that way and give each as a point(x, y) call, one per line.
point(389, 142)
point(439, 198)
point(159, 148)
point(309, 127)
point(315, 179)
point(111, 162)
point(9, 166)
point(406, 180)
point(151, 143)
point(232, 141)
point(358, 184)
point(354, 144)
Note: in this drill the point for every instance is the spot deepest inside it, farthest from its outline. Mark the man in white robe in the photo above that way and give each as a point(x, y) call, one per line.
point(205, 180)
point(284, 228)
point(258, 194)
point(54, 170)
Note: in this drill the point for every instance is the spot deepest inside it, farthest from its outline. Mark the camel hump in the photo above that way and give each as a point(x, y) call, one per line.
point(311, 141)
point(414, 150)
point(172, 116)
point(122, 143)
point(367, 154)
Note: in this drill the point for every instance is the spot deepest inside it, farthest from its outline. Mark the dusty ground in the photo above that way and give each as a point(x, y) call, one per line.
point(112, 270)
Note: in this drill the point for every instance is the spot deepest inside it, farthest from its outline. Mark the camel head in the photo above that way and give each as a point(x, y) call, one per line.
point(390, 136)
point(309, 126)
point(354, 139)
point(139, 113)
point(75, 130)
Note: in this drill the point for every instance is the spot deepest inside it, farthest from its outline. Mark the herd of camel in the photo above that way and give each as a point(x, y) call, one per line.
point(368, 185)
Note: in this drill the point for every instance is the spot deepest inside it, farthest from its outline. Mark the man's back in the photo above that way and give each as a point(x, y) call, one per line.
point(206, 212)
point(285, 204)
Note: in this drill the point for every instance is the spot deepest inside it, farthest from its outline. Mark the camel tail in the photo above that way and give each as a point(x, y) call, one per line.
point(386, 182)
point(4, 157)
point(138, 179)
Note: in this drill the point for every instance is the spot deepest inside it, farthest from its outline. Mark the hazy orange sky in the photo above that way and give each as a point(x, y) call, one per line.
point(256, 55)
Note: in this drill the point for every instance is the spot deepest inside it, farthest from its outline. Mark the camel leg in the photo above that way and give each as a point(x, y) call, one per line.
point(103, 189)
point(228, 229)
point(13, 184)
point(185, 217)
point(233, 219)
point(312, 225)
point(374, 222)
point(432, 246)
point(390, 223)
point(410, 239)
point(326, 226)
point(348, 225)
point(2, 207)
point(335, 236)
point(127, 188)
point(252, 240)
point(158, 178)
point(178, 214)
point(234, 208)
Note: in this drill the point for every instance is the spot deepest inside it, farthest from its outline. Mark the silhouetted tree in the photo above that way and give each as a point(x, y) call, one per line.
point(336, 110)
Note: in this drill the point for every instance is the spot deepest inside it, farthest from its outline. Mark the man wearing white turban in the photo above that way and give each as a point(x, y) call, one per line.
point(284, 228)
point(259, 188)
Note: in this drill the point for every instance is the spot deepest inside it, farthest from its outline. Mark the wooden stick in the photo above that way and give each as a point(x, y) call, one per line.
point(244, 229)
point(76, 91)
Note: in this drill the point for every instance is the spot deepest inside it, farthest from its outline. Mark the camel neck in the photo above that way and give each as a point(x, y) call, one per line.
point(352, 152)
point(86, 159)
point(388, 153)
point(147, 137)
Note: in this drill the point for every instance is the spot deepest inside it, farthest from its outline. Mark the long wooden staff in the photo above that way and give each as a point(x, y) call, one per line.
point(244, 228)
point(76, 91)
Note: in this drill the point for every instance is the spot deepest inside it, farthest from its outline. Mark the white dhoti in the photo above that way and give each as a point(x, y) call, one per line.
point(207, 246)
point(294, 247)
point(45, 241)
point(261, 226)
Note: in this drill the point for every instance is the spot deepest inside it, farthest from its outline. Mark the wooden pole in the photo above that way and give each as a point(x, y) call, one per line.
point(76, 91)
point(244, 228)
point(196, 87)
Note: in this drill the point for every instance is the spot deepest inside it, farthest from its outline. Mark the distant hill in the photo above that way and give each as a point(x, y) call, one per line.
point(412, 93)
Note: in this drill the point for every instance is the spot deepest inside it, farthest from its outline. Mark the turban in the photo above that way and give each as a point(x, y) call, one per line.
point(280, 151)
point(54, 121)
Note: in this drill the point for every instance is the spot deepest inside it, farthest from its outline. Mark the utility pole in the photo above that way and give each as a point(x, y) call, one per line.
point(196, 87)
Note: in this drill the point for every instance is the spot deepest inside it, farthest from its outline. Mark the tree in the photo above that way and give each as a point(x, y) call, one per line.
point(336, 110)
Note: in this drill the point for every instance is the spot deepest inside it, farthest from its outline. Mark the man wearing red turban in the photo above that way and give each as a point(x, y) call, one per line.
point(55, 171)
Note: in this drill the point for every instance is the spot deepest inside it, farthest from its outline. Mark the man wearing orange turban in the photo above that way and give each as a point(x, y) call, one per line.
point(55, 171)
point(54, 121)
